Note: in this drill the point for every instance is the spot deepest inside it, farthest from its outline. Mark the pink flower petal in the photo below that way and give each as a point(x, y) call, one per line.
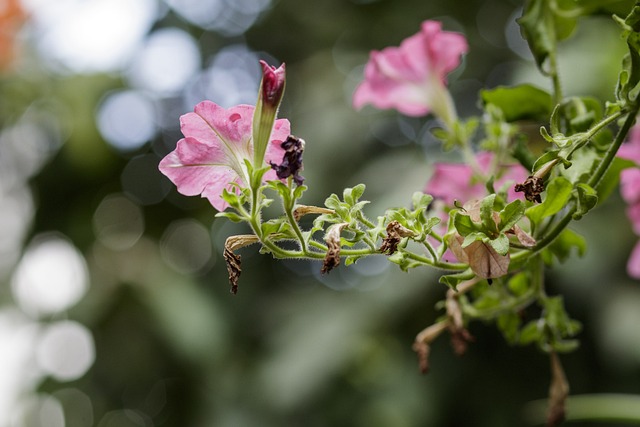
point(411, 78)
point(193, 164)
point(281, 130)
point(633, 213)
point(633, 265)
point(210, 158)
point(453, 181)
point(630, 185)
point(631, 149)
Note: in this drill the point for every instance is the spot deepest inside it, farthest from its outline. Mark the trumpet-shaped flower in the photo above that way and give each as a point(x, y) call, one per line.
point(211, 156)
point(412, 77)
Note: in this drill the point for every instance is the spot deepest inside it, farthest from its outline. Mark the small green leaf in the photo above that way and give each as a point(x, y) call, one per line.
point(500, 244)
point(232, 216)
point(587, 200)
point(421, 201)
point(522, 102)
point(474, 237)
point(453, 280)
point(463, 224)
point(558, 194)
point(530, 333)
point(486, 213)
point(511, 214)
point(508, 323)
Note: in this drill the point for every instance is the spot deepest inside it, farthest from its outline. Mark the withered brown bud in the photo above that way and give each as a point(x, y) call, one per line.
point(422, 344)
point(232, 260)
point(292, 160)
point(558, 392)
point(532, 187)
point(395, 233)
point(302, 210)
point(332, 259)
point(460, 336)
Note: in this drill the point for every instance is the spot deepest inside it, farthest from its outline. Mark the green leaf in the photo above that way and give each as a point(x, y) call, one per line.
point(508, 323)
point(463, 224)
point(587, 200)
point(539, 25)
point(519, 283)
point(531, 333)
point(232, 216)
point(511, 214)
point(403, 261)
point(522, 102)
point(563, 245)
point(274, 226)
point(500, 244)
point(234, 200)
point(453, 280)
point(558, 194)
point(474, 237)
point(486, 213)
point(421, 201)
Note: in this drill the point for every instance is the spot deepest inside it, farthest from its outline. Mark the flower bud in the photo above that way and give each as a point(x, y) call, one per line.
point(269, 98)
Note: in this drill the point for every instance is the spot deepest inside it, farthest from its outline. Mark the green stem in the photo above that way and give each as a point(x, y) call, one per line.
point(594, 181)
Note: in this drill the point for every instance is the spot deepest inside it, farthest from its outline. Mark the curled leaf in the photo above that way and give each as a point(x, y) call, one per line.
point(460, 336)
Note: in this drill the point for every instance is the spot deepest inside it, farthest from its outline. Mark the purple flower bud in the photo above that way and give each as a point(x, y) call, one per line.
point(273, 81)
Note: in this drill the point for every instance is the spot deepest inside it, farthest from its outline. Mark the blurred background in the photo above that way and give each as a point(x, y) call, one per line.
point(115, 308)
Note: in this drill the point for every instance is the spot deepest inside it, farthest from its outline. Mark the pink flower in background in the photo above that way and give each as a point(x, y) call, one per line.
point(411, 78)
point(630, 190)
point(210, 157)
point(453, 181)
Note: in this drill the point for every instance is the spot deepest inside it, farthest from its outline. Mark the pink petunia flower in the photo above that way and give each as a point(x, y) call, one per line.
point(453, 181)
point(217, 141)
point(630, 190)
point(412, 77)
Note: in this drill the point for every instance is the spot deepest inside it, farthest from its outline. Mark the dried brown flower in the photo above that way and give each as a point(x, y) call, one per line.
point(332, 259)
point(233, 260)
point(302, 210)
point(532, 187)
point(395, 233)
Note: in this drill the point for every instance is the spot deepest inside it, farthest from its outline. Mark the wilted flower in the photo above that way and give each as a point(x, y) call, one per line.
point(211, 156)
point(291, 164)
point(412, 77)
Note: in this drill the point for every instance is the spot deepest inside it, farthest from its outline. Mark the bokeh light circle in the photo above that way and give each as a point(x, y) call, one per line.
point(118, 222)
point(127, 119)
point(51, 276)
point(66, 350)
point(169, 59)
